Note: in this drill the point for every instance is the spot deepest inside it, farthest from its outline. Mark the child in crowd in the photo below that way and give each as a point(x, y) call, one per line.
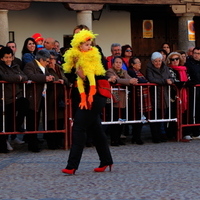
point(39, 40)
point(87, 59)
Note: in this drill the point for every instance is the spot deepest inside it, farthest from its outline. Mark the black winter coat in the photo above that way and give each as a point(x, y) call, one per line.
point(11, 74)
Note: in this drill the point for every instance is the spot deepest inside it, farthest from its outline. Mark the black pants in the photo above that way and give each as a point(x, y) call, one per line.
point(136, 131)
point(21, 107)
point(115, 130)
point(11, 115)
point(75, 104)
point(54, 140)
point(137, 127)
point(32, 124)
point(89, 119)
point(156, 126)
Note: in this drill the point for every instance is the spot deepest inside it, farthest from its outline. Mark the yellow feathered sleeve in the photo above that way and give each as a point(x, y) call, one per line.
point(70, 57)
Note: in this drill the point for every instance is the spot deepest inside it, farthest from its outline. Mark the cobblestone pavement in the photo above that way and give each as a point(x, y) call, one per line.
point(165, 171)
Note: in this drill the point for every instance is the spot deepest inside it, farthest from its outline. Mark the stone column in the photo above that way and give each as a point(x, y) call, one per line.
point(85, 17)
point(183, 42)
point(4, 27)
point(84, 12)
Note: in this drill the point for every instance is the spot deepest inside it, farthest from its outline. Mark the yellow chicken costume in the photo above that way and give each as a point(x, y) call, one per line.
point(89, 62)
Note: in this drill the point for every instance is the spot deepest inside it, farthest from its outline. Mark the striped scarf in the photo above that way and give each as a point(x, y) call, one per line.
point(145, 94)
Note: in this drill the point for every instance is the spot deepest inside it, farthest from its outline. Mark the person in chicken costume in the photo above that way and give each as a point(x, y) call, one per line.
point(83, 55)
point(85, 61)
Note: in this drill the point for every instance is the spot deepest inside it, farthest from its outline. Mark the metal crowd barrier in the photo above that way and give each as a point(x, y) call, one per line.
point(66, 109)
point(191, 117)
point(147, 119)
point(132, 112)
point(134, 99)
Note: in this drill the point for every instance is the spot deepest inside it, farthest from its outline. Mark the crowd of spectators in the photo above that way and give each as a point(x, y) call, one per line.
point(41, 62)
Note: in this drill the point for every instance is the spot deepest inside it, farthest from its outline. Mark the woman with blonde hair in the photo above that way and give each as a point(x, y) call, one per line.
point(178, 71)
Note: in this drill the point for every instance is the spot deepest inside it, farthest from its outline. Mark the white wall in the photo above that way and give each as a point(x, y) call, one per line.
point(113, 27)
point(53, 20)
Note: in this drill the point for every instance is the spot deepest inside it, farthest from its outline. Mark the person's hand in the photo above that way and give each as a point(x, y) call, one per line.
point(112, 79)
point(61, 81)
point(169, 81)
point(133, 81)
point(49, 78)
point(80, 73)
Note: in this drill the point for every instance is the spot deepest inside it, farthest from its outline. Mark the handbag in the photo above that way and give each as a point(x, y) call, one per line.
point(103, 88)
point(115, 97)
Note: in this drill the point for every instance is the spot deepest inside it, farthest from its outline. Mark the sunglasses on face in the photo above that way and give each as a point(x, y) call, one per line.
point(173, 59)
point(128, 50)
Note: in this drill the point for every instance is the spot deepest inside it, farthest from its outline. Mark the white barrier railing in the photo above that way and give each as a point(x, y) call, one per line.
point(143, 118)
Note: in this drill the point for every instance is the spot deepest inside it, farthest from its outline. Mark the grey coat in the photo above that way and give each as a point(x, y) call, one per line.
point(159, 77)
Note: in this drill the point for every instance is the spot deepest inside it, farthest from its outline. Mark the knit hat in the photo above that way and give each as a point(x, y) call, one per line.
point(156, 55)
point(37, 37)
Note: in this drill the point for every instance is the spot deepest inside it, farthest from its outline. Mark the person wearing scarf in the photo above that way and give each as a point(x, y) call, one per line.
point(179, 73)
point(134, 71)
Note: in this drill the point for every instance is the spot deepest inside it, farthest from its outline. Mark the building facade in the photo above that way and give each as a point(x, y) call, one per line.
point(143, 24)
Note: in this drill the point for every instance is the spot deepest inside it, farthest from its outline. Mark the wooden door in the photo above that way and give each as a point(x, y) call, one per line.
point(165, 29)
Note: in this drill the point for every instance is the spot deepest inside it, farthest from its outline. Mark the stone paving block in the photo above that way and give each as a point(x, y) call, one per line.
point(165, 171)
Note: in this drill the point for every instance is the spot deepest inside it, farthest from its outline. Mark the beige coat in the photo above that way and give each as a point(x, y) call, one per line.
point(120, 94)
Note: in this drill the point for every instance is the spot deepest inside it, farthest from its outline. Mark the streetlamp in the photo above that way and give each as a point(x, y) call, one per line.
point(96, 15)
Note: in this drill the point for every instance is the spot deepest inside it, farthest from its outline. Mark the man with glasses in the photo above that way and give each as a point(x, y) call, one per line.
point(36, 71)
point(116, 50)
point(193, 67)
